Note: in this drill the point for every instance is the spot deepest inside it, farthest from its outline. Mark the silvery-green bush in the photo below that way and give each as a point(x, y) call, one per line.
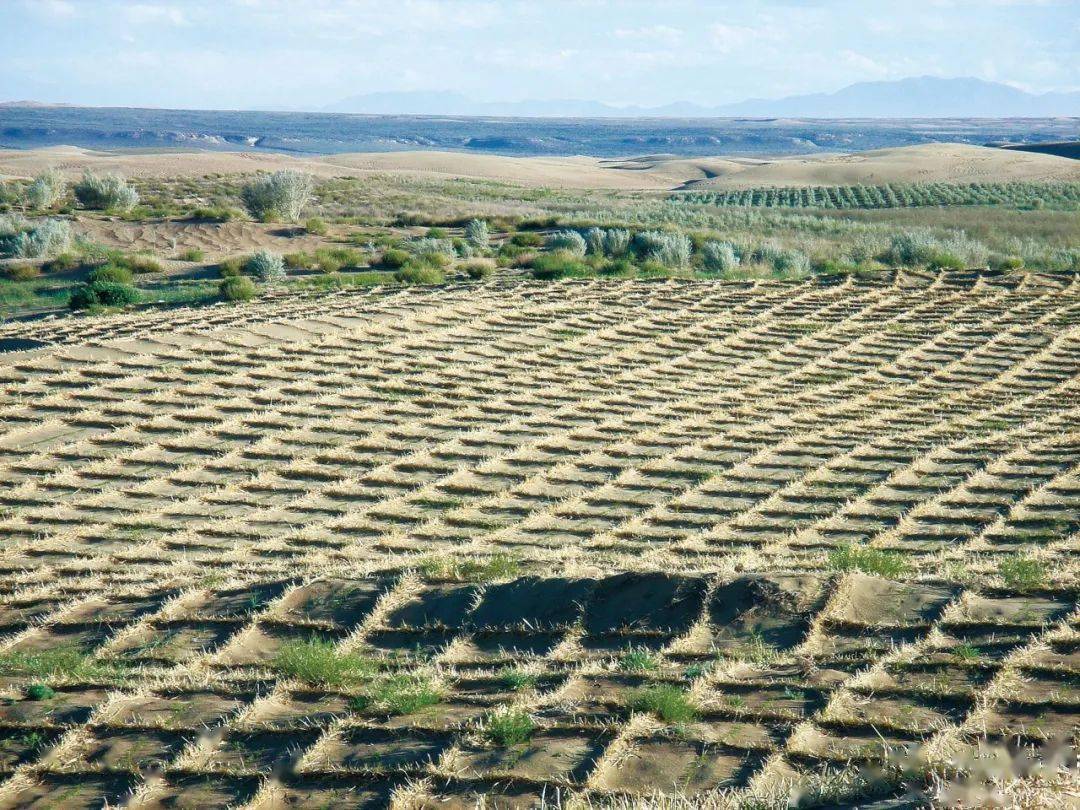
point(46, 190)
point(426, 244)
point(108, 192)
point(267, 266)
point(281, 195)
point(607, 241)
point(566, 241)
point(476, 233)
point(33, 240)
point(922, 246)
point(671, 249)
point(719, 257)
point(791, 262)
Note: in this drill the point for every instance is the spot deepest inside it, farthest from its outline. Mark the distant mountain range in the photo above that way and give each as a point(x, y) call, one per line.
point(921, 97)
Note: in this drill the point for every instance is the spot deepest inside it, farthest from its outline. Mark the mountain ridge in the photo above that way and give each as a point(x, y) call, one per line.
point(916, 97)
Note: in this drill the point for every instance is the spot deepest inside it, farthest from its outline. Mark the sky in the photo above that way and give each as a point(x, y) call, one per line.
point(307, 54)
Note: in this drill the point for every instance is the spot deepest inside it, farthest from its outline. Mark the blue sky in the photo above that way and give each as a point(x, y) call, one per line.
point(307, 54)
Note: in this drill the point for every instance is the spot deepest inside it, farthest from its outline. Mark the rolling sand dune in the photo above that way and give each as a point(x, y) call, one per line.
point(939, 162)
point(958, 163)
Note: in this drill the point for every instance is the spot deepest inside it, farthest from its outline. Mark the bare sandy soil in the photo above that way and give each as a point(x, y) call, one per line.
point(215, 239)
point(958, 163)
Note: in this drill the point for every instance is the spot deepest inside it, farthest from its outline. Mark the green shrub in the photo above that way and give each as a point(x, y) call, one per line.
point(318, 661)
point(548, 266)
point(22, 239)
point(316, 227)
point(419, 274)
point(233, 266)
point(299, 260)
point(39, 691)
point(331, 260)
point(192, 255)
point(266, 266)
point(945, 261)
point(63, 263)
point(436, 233)
point(237, 288)
point(110, 273)
point(505, 727)
point(108, 192)
point(22, 272)
point(102, 294)
point(719, 257)
point(667, 702)
point(477, 233)
point(664, 247)
point(478, 270)
point(394, 259)
point(46, 190)
point(1006, 263)
point(569, 242)
point(137, 263)
point(281, 195)
point(617, 267)
point(611, 242)
point(424, 246)
point(527, 239)
point(849, 557)
point(215, 214)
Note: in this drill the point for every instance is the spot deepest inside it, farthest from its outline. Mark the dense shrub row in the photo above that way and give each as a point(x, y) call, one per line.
point(1060, 196)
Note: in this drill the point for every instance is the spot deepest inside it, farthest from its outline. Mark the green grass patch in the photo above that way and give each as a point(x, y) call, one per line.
point(398, 695)
point(60, 662)
point(1022, 573)
point(518, 680)
point(850, 557)
point(669, 703)
point(506, 727)
point(318, 661)
point(638, 661)
point(499, 566)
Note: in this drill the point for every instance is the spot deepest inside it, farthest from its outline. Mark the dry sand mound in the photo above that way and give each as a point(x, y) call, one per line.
point(958, 163)
point(931, 163)
point(168, 238)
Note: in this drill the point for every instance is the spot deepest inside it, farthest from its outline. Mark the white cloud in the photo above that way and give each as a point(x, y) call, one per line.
point(864, 64)
point(731, 38)
point(52, 9)
point(152, 14)
point(652, 33)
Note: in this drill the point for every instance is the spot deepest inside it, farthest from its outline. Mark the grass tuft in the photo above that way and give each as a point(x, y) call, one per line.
point(850, 557)
point(506, 727)
point(60, 662)
point(638, 661)
point(39, 691)
point(518, 680)
point(1022, 573)
point(669, 703)
point(499, 566)
point(318, 661)
point(399, 694)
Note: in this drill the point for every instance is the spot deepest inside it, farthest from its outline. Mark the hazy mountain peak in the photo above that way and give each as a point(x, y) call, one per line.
point(912, 97)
